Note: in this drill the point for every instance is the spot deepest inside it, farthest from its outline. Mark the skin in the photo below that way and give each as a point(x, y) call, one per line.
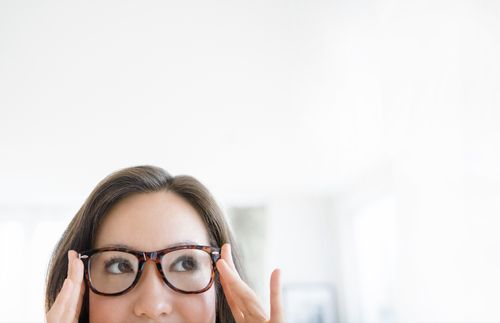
point(165, 219)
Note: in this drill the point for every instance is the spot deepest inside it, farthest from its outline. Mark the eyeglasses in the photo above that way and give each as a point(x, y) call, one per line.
point(188, 269)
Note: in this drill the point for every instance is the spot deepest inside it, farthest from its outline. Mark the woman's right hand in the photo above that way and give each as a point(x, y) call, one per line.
point(242, 300)
point(66, 307)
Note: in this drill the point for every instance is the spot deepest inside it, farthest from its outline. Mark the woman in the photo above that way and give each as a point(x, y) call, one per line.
point(144, 247)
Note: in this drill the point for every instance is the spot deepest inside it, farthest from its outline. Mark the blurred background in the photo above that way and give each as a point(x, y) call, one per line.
point(354, 144)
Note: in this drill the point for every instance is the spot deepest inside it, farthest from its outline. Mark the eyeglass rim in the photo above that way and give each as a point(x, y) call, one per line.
point(156, 257)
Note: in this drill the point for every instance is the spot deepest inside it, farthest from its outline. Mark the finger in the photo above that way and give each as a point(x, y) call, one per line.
point(226, 254)
point(68, 272)
point(73, 266)
point(80, 299)
point(76, 277)
point(276, 304)
point(58, 308)
point(237, 314)
point(242, 295)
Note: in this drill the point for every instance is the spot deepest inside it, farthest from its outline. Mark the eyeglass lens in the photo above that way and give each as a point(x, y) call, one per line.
point(189, 270)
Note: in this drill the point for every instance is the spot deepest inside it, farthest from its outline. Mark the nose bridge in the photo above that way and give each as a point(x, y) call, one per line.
point(153, 297)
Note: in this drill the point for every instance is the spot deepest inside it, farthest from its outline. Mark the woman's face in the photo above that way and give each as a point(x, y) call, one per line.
point(150, 222)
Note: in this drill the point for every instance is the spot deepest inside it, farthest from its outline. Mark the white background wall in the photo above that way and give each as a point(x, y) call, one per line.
point(371, 126)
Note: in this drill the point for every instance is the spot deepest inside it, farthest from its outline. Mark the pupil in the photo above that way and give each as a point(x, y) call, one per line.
point(123, 266)
point(188, 264)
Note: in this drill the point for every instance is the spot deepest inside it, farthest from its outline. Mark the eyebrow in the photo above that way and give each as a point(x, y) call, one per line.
point(122, 245)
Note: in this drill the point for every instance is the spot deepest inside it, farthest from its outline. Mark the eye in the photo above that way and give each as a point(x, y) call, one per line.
point(118, 266)
point(184, 263)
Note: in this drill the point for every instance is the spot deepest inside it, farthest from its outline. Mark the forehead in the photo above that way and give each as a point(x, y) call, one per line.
point(151, 221)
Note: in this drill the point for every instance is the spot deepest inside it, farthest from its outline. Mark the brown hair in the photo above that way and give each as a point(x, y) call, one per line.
point(81, 232)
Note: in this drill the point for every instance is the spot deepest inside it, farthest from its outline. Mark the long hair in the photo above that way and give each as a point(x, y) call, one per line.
point(81, 231)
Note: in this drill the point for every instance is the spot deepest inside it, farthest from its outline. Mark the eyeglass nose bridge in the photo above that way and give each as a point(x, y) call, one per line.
point(150, 255)
point(155, 257)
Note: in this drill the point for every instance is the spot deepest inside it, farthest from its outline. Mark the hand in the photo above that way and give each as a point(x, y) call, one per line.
point(242, 300)
point(66, 307)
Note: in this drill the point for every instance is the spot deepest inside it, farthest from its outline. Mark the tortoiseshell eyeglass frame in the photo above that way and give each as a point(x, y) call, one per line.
point(155, 256)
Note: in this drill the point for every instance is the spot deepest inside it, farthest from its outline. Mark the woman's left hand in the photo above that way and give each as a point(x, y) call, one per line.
point(242, 300)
